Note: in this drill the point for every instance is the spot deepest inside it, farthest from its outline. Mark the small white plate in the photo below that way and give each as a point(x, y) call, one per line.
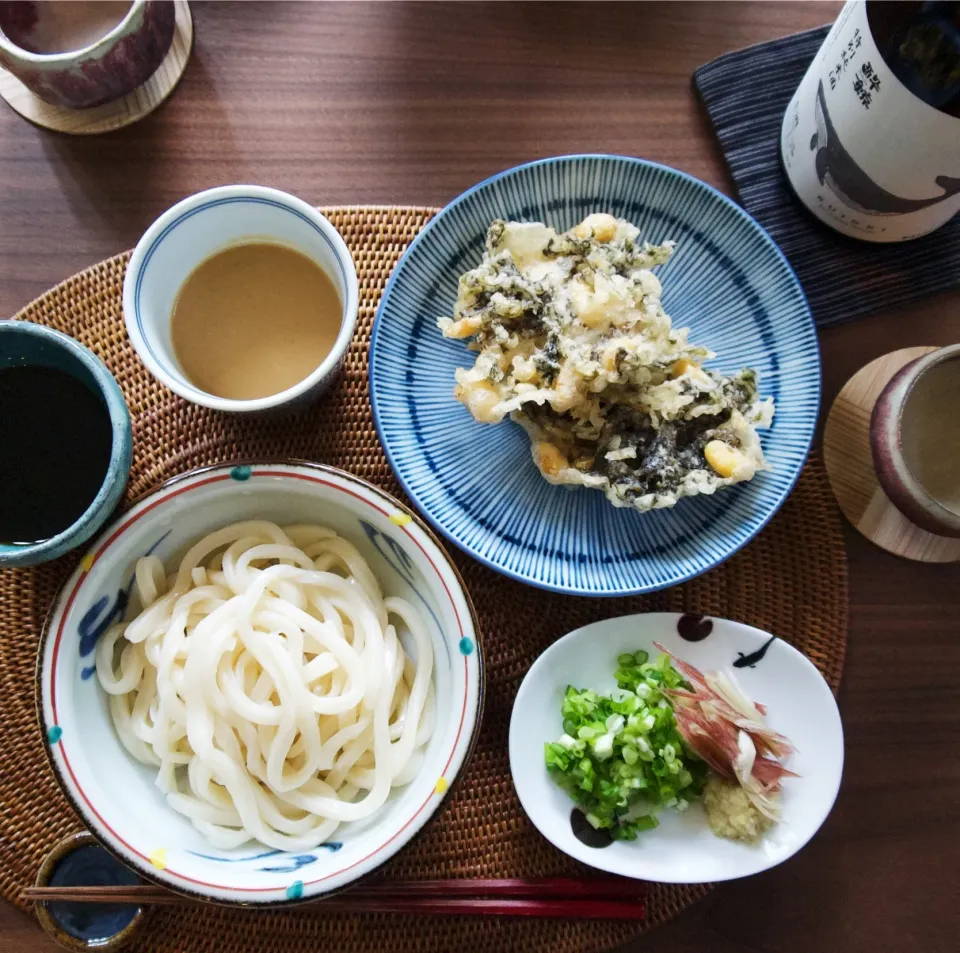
point(682, 849)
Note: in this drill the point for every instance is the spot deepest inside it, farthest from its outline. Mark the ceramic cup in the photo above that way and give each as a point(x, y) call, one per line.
point(893, 472)
point(101, 72)
point(202, 225)
point(79, 861)
point(31, 345)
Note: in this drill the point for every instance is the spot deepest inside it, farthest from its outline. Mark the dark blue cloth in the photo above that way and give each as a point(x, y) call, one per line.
point(746, 94)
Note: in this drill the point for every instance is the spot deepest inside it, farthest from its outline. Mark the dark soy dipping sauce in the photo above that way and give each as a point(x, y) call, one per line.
point(586, 833)
point(694, 627)
point(55, 442)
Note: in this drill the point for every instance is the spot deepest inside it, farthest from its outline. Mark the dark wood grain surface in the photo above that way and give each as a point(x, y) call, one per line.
point(410, 103)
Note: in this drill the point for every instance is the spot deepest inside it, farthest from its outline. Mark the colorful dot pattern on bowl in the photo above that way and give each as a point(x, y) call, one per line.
point(54, 734)
point(86, 564)
point(441, 786)
point(401, 519)
point(241, 474)
point(466, 646)
point(295, 890)
point(158, 858)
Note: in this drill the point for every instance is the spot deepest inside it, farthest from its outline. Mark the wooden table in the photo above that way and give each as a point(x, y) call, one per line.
point(408, 103)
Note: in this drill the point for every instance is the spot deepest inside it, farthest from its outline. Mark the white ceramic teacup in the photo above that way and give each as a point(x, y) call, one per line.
point(200, 226)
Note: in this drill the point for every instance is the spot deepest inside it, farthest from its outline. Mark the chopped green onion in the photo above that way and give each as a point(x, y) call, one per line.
point(621, 752)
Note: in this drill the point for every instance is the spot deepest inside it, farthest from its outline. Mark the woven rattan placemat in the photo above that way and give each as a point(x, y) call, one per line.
point(790, 580)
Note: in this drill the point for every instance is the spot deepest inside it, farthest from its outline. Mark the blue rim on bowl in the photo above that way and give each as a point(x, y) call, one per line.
point(117, 797)
point(52, 349)
point(476, 483)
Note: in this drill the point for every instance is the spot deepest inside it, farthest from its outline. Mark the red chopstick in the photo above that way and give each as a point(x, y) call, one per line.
point(599, 888)
point(567, 909)
point(614, 898)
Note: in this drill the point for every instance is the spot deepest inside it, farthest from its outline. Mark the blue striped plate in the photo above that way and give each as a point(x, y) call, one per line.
point(477, 483)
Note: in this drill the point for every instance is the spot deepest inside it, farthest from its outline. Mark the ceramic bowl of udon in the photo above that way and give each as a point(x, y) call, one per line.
point(477, 483)
point(116, 795)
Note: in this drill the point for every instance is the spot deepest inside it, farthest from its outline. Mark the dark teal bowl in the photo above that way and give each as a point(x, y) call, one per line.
point(23, 344)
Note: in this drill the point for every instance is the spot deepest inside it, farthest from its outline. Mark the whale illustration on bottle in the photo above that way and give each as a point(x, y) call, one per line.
point(837, 169)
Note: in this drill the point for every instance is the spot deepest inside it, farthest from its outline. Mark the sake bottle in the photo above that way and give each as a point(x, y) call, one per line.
point(871, 139)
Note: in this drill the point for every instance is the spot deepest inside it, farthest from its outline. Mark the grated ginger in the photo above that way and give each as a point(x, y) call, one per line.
point(731, 813)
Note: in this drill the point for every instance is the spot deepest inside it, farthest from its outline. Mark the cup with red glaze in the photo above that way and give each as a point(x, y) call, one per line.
point(915, 440)
point(84, 53)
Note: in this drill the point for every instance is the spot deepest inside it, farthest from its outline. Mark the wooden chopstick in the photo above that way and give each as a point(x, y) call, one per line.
point(597, 898)
point(153, 896)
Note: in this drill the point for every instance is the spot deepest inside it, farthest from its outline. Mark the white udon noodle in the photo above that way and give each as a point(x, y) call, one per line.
point(267, 683)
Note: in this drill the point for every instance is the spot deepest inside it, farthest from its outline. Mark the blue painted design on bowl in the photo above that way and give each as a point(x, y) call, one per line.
point(32, 345)
point(399, 560)
point(103, 614)
point(727, 281)
point(466, 646)
point(91, 865)
point(54, 734)
point(391, 551)
point(241, 473)
point(100, 616)
point(235, 860)
point(287, 863)
point(296, 862)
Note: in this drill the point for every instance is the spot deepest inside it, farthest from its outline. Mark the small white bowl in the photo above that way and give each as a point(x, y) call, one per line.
point(682, 849)
point(202, 225)
point(116, 796)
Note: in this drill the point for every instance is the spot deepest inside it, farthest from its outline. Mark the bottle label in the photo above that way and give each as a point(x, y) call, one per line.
point(862, 152)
